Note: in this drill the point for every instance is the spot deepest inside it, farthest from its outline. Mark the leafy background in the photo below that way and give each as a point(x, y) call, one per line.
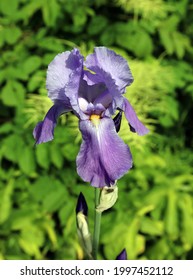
point(153, 217)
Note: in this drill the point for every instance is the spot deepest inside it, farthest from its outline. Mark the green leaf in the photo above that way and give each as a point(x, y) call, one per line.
point(79, 18)
point(9, 7)
point(42, 186)
point(6, 201)
point(97, 25)
point(143, 44)
point(12, 35)
point(166, 40)
point(27, 160)
point(181, 43)
point(186, 206)
point(51, 44)
point(43, 156)
point(170, 38)
point(50, 10)
point(37, 80)
point(134, 38)
point(56, 155)
point(31, 64)
point(23, 217)
point(26, 11)
point(2, 36)
point(151, 227)
point(108, 36)
point(52, 234)
point(31, 240)
point(171, 216)
point(170, 105)
point(65, 213)
point(159, 250)
point(55, 198)
point(6, 128)
point(13, 73)
point(12, 147)
point(70, 151)
point(13, 94)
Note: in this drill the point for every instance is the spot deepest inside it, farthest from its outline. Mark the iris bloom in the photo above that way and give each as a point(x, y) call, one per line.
point(93, 90)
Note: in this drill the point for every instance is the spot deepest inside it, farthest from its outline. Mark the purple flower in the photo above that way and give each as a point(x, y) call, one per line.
point(93, 90)
point(122, 255)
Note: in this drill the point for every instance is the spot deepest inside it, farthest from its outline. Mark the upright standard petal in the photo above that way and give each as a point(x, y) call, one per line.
point(107, 61)
point(44, 131)
point(103, 157)
point(135, 124)
point(63, 78)
point(112, 70)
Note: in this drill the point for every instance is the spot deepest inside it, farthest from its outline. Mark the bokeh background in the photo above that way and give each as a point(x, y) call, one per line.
point(153, 217)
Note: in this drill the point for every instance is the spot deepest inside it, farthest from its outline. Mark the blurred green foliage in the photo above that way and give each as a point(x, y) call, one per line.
point(153, 217)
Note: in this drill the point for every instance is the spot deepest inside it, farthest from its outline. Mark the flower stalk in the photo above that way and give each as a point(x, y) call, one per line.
point(97, 225)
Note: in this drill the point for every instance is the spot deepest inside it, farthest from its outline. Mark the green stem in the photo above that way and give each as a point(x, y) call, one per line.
point(97, 224)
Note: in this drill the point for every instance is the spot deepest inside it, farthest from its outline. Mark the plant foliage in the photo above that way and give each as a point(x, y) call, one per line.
point(153, 217)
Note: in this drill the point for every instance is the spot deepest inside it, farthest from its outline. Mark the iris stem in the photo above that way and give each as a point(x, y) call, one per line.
point(97, 225)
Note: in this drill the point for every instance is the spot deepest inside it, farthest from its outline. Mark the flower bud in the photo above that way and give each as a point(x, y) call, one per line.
point(81, 205)
point(122, 255)
point(82, 224)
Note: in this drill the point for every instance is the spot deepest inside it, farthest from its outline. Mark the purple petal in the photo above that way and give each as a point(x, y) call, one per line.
point(107, 61)
point(105, 99)
point(122, 255)
point(103, 157)
point(81, 205)
point(63, 77)
point(106, 75)
point(44, 131)
point(91, 78)
point(91, 92)
point(92, 109)
point(135, 124)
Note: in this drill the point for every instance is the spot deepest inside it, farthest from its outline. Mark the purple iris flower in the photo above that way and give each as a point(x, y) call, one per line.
point(93, 89)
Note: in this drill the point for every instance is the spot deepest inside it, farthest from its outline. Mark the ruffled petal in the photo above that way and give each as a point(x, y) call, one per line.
point(91, 92)
point(107, 61)
point(135, 124)
point(103, 157)
point(63, 77)
point(44, 131)
point(106, 75)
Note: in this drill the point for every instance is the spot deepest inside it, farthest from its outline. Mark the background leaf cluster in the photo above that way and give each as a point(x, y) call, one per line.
point(153, 218)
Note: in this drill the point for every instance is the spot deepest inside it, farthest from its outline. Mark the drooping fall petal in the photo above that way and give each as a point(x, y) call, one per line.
point(44, 131)
point(103, 156)
point(134, 122)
